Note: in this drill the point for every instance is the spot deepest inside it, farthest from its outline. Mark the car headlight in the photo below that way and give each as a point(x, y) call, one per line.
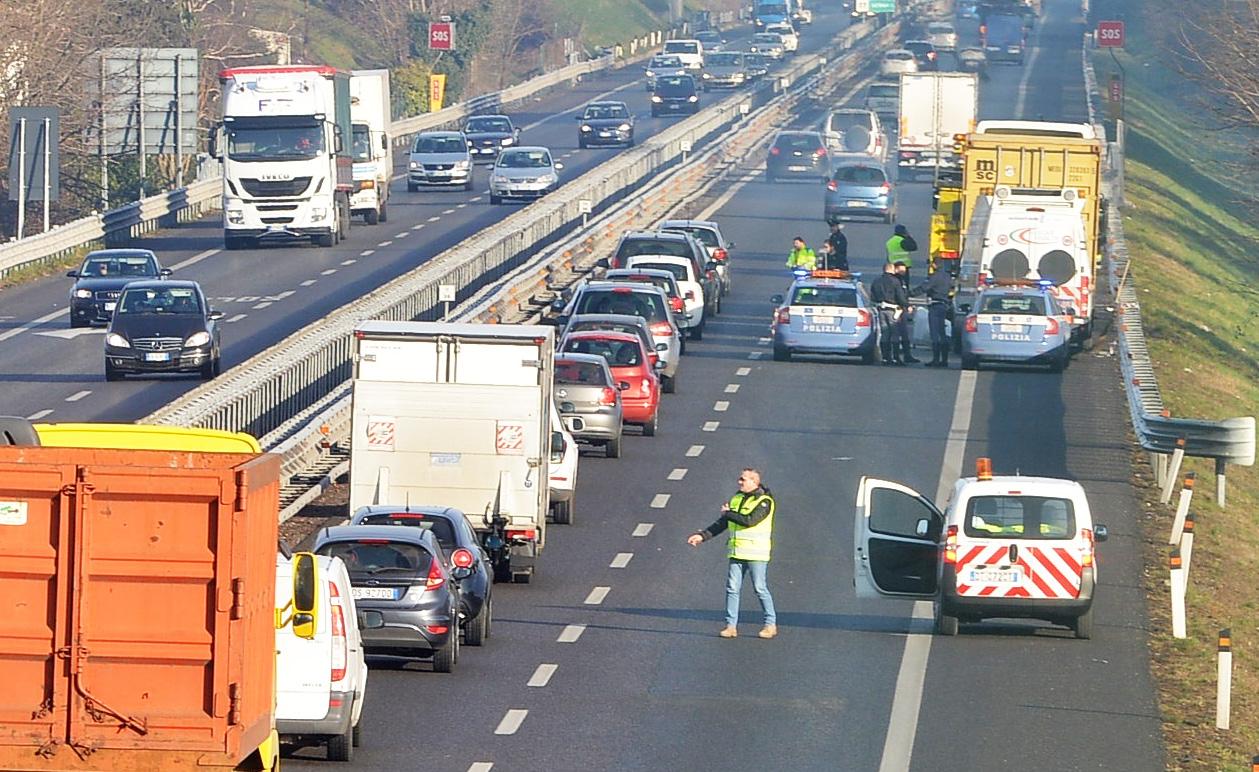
point(624, 127)
point(318, 213)
point(692, 98)
point(657, 99)
point(462, 164)
point(550, 178)
point(416, 164)
point(707, 75)
point(235, 216)
point(82, 293)
point(584, 127)
point(508, 141)
point(651, 74)
point(116, 340)
point(197, 339)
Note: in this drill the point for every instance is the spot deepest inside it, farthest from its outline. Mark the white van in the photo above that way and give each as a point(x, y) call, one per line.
point(695, 303)
point(690, 51)
point(321, 682)
point(563, 473)
point(1008, 546)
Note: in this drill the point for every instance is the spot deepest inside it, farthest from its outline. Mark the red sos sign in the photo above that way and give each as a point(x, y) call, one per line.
point(441, 36)
point(1110, 34)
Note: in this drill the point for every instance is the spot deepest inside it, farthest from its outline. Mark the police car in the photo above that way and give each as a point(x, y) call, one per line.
point(825, 312)
point(1007, 546)
point(1017, 322)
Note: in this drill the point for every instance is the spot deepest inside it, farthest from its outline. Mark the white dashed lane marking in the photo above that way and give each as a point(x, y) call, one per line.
point(309, 282)
point(350, 261)
point(39, 415)
point(474, 199)
point(597, 595)
point(480, 766)
point(756, 355)
point(328, 272)
point(711, 426)
point(621, 560)
point(402, 235)
point(461, 206)
point(262, 305)
point(448, 211)
point(235, 318)
point(677, 474)
point(417, 226)
point(660, 501)
point(571, 633)
point(78, 395)
point(742, 371)
point(511, 722)
point(721, 406)
point(694, 451)
point(367, 252)
point(434, 218)
point(732, 388)
point(385, 243)
point(542, 676)
point(763, 341)
point(642, 529)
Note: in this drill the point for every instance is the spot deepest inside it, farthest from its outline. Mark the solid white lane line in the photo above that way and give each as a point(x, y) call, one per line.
point(367, 252)
point(194, 259)
point(677, 474)
point(660, 501)
point(434, 218)
point(309, 282)
point(33, 324)
point(262, 305)
point(756, 355)
point(621, 560)
point(235, 318)
point(721, 406)
point(349, 261)
point(571, 633)
point(39, 415)
point(642, 529)
point(732, 388)
point(480, 766)
point(711, 426)
point(694, 451)
point(328, 272)
point(511, 722)
point(597, 595)
point(582, 106)
point(898, 746)
point(742, 371)
point(542, 676)
point(78, 395)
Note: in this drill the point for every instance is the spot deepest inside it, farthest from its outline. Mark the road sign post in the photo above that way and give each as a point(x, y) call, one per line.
point(441, 36)
point(1110, 34)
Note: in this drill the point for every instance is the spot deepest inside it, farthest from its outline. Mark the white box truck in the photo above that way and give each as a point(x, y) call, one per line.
point(457, 415)
point(934, 106)
point(285, 146)
point(371, 116)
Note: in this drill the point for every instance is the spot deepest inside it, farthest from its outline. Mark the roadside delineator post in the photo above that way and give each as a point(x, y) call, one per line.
point(1221, 486)
point(1182, 508)
point(1254, 764)
point(1178, 592)
point(1186, 545)
point(1173, 471)
point(1224, 682)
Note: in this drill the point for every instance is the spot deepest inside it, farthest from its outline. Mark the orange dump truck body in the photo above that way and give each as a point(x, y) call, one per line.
point(136, 608)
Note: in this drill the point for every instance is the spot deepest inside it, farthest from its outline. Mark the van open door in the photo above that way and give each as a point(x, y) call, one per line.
point(896, 542)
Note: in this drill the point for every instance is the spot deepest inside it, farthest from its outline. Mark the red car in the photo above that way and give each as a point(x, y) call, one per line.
point(631, 366)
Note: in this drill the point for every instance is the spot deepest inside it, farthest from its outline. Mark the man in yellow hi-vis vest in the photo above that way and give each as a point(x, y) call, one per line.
point(748, 519)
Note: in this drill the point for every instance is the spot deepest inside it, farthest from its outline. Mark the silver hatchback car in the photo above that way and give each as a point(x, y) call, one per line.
point(440, 158)
point(589, 400)
point(523, 172)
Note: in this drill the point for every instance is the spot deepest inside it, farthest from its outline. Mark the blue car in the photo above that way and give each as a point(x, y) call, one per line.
point(827, 313)
point(859, 189)
point(1017, 322)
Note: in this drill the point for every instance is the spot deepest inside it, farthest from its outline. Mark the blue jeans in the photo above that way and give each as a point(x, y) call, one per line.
point(734, 584)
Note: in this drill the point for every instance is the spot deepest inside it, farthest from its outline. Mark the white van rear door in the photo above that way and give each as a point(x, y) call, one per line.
point(896, 551)
point(303, 668)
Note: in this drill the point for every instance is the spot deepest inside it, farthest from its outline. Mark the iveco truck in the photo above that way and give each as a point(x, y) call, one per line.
point(370, 114)
point(285, 147)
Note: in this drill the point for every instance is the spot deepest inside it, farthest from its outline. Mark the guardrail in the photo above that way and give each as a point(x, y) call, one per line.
point(1168, 439)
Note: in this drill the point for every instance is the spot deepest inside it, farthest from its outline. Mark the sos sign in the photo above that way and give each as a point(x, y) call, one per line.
point(441, 36)
point(1110, 34)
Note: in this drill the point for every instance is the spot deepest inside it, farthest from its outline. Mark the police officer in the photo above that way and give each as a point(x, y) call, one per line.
point(836, 248)
point(939, 291)
point(889, 297)
point(749, 520)
point(801, 256)
point(907, 319)
point(898, 248)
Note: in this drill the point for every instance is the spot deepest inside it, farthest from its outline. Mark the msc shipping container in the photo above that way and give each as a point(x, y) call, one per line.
point(136, 609)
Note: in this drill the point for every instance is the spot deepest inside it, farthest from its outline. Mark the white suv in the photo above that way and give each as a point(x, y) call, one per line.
point(791, 41)
point(853, 130)
point(690, 51)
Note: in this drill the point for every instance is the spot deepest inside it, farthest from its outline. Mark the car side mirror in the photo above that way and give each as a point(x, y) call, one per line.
point(690, 295)
point(558, 165)
point(603, 262)
point(1071, 311)
point(306, 584)
point(776, 299)
point(72, 274)
point(662, 347)
point(658, 365)
point(215, 315)
point(384, 141)
point(712, 265)
point(557, 305)
point(459, 573)
point(1100, 532)
point(369, 619)
point(166, 271)
point(623, 386)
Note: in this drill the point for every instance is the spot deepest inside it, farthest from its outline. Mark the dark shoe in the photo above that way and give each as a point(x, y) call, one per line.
point(910, 359)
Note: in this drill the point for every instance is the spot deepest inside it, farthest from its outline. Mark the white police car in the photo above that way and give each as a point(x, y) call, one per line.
point(1017, 322)
point(825, 312)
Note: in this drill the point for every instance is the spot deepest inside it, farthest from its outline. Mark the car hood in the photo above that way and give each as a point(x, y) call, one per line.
point(438, 158)
point(476, 136)
point(513, 173)
point(725, 69)
point(132, 326)
point(605, 123)
point(671, 93)
point(97, 284)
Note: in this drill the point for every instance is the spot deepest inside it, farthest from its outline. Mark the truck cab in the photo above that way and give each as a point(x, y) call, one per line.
point(1004, 546)
point(370, 146)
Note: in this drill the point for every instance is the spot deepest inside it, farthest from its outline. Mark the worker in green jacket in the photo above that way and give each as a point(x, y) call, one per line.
point(801, 256)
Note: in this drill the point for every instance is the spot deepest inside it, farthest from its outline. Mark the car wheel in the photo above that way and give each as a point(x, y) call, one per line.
point(581, 143)
point(868, 356)
point(669, 384)
point(341, 746)
point(769, 176)
point(655, 114)
point(207, 369)
point(218, 364)
point(1083, 625)
point(495, 199)
point(562, 512)
point(77, 322)
point(233, 243)
point(697, 333)
point(356, 735)
point(476, 631)
point(444, 658)
point(649, 428)
point(946, 624)
point(384, 213)
point(781, 353)
point(502, 571)
point(111, 373)
point(629, 142)
point(371, 217)
point(324, 240)
point(613, 448)
point(970, 362)
point(412, 187)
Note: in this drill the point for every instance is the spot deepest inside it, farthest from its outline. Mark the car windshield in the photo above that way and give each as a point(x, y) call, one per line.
point(121, 265)
point(798, 142)
point(580, 373)
point(361, 143)
point(648, 246)
point(489, 125)
point(919, 47)
point(525, 159)
point(771, 9)
point(940, 29)
point(253, 143)
point(666, 61)
point(441, 145)
point(681, 47)
point(648, 305)
point(676, 83)
point(181, 301)
point(373, 557)
point(898, 56)
point(1027, 305)
point(598, 325)
point(885, 91)
point(669, 286)
point(845, 122)
point(678, 271)
point(767, 37)
point(860, 175)
point(440, 527)
point(704, 236)
point(843, 297)
point(619, 353)
point(1020, 517)
point(723, 60)
point(606, 112)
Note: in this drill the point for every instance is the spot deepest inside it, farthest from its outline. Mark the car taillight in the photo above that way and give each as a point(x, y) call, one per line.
point(832, 185)
point(1087, 560)
point(645, 386)
point(340, 646)
point(774, 151)
point(462, 558)
point(972, 323)
point(1051, 326)
point(950, 545)
point(908, 154)
point(720, 255)
point(821, 151)
point(948, 254)
point(783, 316)
point(614, 262)
point(887, 187)
point(607, 397)
point(527, 534)
point(676, 304)
point(435, 577)
point(664, 329)
point(982, 279)
point(863, 317)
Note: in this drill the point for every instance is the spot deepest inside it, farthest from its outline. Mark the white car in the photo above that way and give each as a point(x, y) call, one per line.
point(942, 35)
point(523, 172)
point(898, 61)
point(791, 41)
point(689, 50)
point(708, 233)
point(562, 485)
point(683, 268)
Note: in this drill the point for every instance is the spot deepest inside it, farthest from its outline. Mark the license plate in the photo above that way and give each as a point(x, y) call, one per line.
point(797, 168)
point(818, 319)
point(605, 134)
point(157, 356)
point(372, 593)
point(110, 306)
point(857, 204)
point(1015, 328)
point(994, 576)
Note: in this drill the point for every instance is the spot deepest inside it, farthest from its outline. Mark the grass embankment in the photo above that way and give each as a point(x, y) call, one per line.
point(1190, 231)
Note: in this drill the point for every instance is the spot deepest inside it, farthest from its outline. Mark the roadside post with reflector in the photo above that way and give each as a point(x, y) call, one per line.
point(1178, 592)
point(1224, 683)
point(1178, 456)
point(1186, 546)
point(1182, 508)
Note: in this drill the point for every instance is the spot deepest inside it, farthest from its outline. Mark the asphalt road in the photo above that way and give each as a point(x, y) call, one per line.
point(54, 373)
point(847, 685)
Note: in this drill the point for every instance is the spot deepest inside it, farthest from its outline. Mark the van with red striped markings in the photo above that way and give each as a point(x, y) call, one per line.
point(1004, 546)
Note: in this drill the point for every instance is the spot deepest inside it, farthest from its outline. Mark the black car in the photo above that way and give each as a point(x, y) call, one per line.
point(405, 595)
point(757, 65)
point(461, 549)
point(488, 134)
point(605, 123)
point(162, 326)
point(797, 154)
point(925, 54)
point(675, 94)
point(99, 282)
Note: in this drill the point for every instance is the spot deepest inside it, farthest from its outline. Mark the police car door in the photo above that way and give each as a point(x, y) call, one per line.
point(896, 542)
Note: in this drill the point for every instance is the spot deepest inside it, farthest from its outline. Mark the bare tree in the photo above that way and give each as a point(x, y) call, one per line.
point(1221, 43)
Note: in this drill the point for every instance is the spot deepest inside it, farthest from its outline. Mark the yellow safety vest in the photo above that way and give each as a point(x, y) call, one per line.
point(896, 252)
point(752, 543)
point(802, 258)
